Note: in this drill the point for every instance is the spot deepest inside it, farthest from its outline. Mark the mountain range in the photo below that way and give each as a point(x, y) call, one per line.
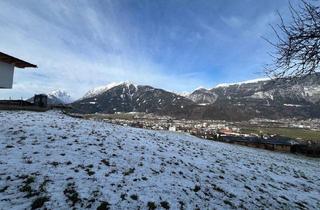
point(264, 98)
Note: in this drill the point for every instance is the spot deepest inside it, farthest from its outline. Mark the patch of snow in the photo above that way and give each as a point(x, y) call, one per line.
point(183, 94)
point(204, 104)
point(312, 93)
point(243, 82)
point(128, 84)
point(262, 95)
point(293, 105)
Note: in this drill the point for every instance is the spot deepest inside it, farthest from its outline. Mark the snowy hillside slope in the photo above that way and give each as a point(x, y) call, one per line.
point(54, 161)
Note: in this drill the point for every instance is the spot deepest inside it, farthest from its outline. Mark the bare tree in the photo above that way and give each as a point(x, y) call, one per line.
point(297, 51)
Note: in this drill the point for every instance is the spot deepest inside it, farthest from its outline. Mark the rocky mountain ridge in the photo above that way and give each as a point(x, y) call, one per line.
point(299, 92)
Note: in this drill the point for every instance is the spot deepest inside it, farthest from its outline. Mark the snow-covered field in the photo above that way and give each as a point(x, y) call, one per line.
point(52, 161)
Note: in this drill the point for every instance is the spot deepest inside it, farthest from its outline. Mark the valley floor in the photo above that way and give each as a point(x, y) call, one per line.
point(55, 161)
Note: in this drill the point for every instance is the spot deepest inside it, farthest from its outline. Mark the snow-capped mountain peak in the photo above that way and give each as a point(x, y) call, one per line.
point(62, 95)
point(128, 83)
point(101, 89)
point(201, 88)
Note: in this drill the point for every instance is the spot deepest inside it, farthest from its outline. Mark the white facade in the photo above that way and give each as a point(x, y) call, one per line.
point(6, 75)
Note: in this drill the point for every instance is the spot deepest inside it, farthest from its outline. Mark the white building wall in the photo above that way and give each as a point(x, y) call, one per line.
point(6, 75)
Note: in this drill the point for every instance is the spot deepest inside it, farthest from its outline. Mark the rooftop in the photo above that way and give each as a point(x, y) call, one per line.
point(15, 61)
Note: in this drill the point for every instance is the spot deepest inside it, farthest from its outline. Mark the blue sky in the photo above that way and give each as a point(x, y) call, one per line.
point(177, 45)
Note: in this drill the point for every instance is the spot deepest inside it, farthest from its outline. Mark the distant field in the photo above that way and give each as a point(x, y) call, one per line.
point(295, 133)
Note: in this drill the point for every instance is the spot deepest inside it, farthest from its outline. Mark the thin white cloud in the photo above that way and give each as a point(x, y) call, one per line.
point(234, 22)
